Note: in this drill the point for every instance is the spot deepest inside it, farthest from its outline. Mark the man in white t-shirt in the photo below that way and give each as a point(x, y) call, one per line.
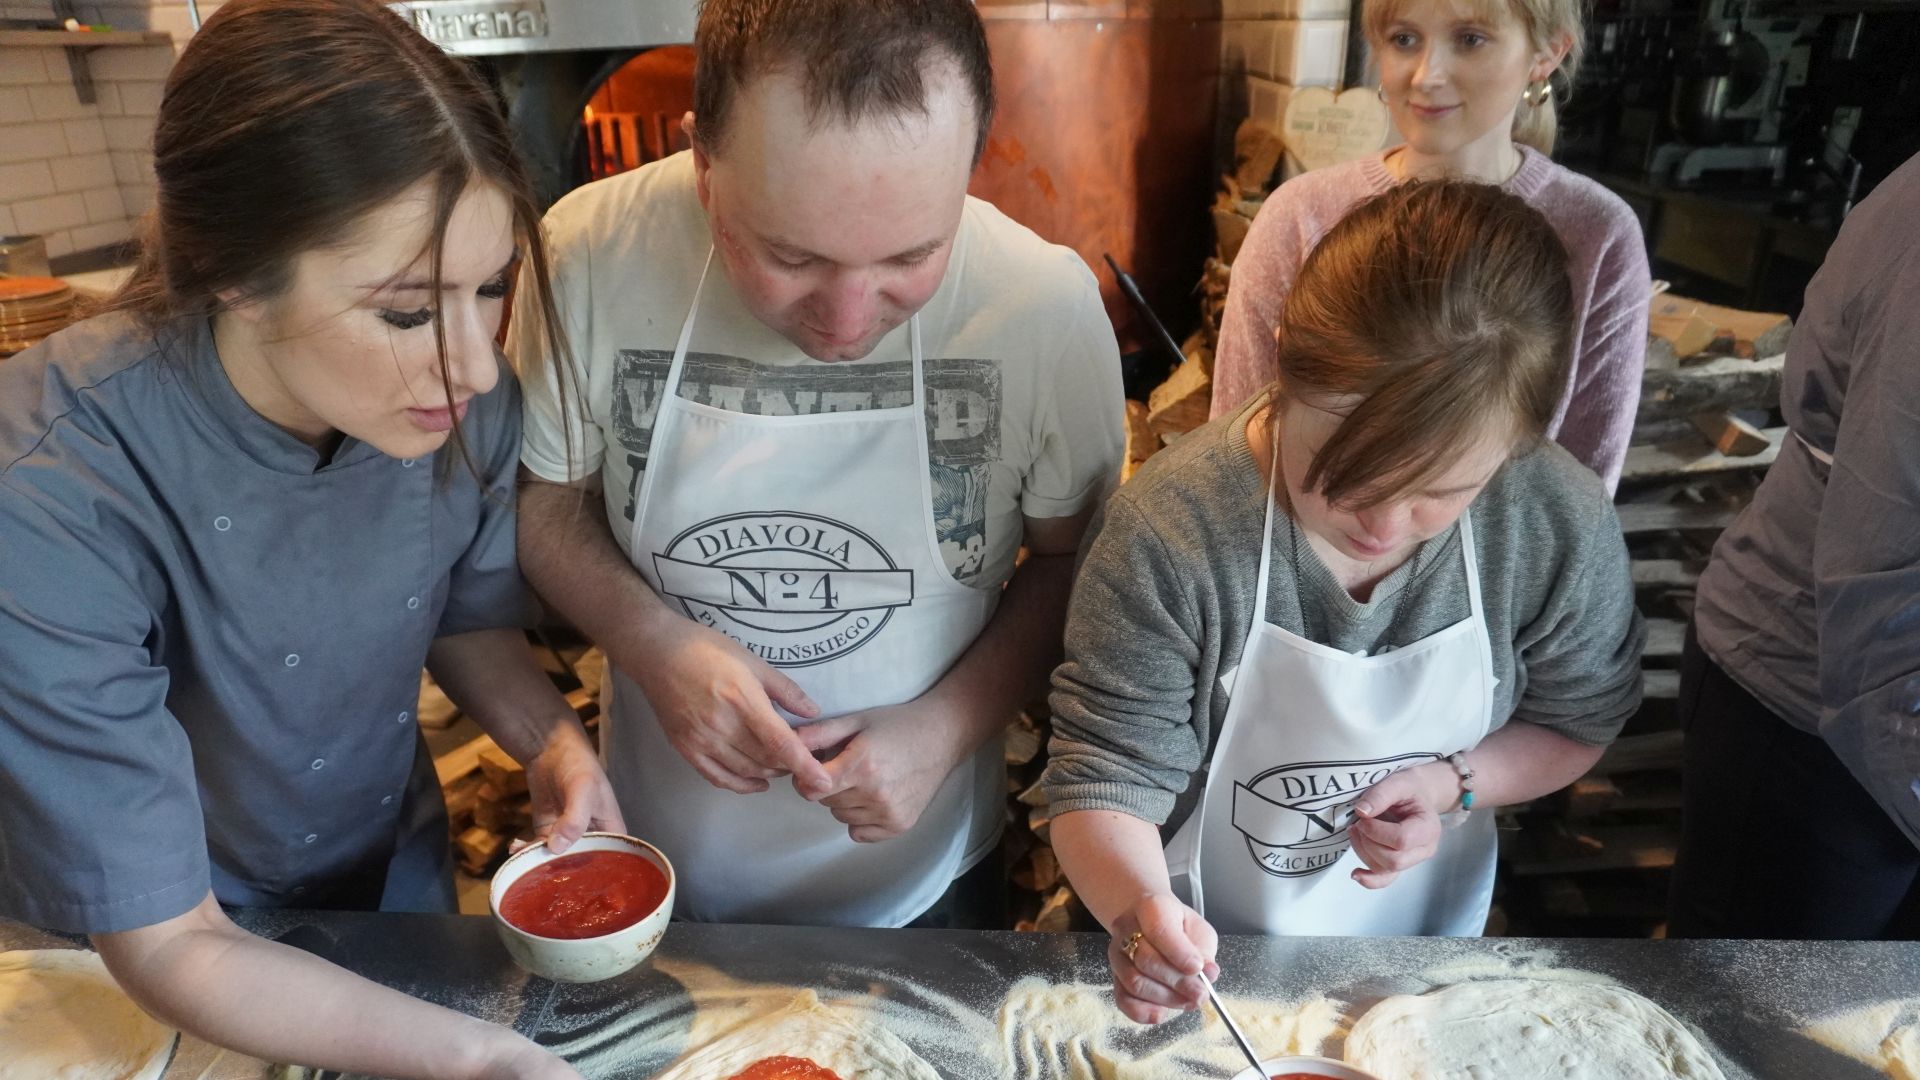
point(827, 398)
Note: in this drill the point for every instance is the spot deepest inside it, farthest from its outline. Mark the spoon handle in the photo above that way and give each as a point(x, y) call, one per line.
point(1239, 1036)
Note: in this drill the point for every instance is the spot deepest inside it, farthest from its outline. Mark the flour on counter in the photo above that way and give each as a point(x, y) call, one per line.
point(1543, 1029)
point(1885, 1036)
point(1073, 1031)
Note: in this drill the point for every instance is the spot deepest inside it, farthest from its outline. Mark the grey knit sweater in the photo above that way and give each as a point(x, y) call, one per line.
point(1165, 596)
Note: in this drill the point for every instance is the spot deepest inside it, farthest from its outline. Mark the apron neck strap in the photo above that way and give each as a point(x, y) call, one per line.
point(686, 332)
point(1472, 560)
point(1266, 530)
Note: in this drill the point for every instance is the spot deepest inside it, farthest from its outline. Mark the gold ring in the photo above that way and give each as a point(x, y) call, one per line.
point(1133, 944)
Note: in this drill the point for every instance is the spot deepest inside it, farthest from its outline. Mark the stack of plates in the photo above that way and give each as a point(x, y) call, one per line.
point(30, 309)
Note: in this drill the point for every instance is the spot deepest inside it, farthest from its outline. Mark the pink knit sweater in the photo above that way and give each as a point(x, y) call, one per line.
point(1608, 264)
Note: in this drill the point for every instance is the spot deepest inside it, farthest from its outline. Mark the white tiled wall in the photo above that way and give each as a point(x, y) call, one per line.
point(80, 175)
point(1269, 47)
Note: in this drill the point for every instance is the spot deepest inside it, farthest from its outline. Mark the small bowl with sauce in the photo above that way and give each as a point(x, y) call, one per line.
point(1304, 1068)
point(590, 914)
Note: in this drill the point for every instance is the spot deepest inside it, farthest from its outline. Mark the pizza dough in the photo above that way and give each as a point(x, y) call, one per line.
point(62, 1016)
point(834, 1038)
point(1534, 1028)
point(1885, 1036)
point(1073, 1031)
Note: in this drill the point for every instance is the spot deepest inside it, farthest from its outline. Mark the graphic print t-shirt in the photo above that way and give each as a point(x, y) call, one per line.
point(1024, 409)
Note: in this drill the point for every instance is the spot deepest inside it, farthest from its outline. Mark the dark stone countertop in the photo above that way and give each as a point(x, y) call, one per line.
point(1748, 1000)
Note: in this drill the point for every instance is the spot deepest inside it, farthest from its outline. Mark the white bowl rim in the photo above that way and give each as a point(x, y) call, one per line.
point(540, 845)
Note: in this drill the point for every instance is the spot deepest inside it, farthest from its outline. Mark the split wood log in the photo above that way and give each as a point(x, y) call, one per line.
point(1257, 150)
point(1229, 231)
point(478, 850)
point(487, 811)
point(1040, 823)
point(1717, 385)
point(1180, 404)
point(1657, 684)
point(1637, 518)
point(1693, 327)
point(1046, 868)
point(505, 775)
point(461, 760)
point(1665, 574)
point(1039, 871)
point(1694, 458)
point(462, 796)
point(1142, 442)
point(1664, 638)
point(1729, 434)
point(1056, 915)
point(1022, 744)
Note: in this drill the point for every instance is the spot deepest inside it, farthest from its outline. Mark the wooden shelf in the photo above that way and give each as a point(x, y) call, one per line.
point(83, 39)
point(78, 43)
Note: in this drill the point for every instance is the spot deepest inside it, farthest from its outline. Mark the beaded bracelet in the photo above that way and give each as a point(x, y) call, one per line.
point(1459, 763)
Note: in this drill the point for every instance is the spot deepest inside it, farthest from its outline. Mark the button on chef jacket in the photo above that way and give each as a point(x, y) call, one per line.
point(211, 639)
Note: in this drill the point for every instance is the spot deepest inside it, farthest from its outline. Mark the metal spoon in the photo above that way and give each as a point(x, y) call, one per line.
point(1239, 1036)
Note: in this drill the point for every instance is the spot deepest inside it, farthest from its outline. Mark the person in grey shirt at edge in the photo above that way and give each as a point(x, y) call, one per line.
point(1801, 678)
point(1290, 682)
point(238, 515)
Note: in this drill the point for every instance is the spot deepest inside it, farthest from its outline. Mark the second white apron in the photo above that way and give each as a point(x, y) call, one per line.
point(810, 540)
point(1308, 728)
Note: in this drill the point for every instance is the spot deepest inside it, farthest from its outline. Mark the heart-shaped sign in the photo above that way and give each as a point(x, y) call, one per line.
point(1322, 129)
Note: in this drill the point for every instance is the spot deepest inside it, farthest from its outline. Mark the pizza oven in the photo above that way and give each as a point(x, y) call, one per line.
point(592, 87)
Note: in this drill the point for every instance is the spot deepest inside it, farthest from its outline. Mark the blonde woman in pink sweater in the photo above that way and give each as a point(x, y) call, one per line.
point(1470, 86)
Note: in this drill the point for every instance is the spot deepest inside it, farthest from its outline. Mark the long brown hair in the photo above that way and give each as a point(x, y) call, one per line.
point(283, 124)
point(1443, 307)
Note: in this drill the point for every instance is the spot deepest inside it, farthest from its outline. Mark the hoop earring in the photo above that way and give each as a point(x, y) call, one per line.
point(1538, 94)
point(1381, 93)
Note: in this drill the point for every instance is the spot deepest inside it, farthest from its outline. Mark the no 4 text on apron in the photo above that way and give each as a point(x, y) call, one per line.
point(811, 541)
point(1308, 729)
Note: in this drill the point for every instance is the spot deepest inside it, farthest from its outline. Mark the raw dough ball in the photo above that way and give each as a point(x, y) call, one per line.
point(62, 1016)
point(1534, 1028)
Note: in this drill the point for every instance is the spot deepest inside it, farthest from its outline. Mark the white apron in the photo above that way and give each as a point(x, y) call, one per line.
point(810, 540)
point(1309, 728)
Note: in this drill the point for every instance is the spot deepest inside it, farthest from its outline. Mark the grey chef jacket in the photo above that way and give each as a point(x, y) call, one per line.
point(211, 639)
point(1812, 599)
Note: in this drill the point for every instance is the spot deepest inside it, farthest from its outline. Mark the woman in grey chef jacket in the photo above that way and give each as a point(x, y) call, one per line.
point(242, 509)
point(1372, 599)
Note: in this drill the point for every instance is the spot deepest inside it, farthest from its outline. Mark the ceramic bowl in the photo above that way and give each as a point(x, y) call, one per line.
point(1312, 1066)
point(581, 959)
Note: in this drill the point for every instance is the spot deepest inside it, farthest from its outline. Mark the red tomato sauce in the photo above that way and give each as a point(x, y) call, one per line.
point(583, 895)
point(785, 1068)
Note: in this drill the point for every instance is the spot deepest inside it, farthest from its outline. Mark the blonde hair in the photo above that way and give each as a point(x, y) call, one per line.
point(1444, 308)
point(1543, 20)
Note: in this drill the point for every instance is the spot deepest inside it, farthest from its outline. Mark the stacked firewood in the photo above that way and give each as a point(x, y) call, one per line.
point(1042, 899)
point(1180, 404)
point(488, 804)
